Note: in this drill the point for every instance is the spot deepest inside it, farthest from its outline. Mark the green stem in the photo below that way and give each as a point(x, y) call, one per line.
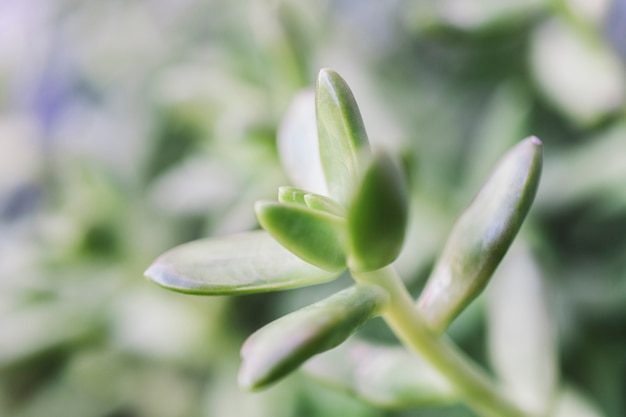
point(478, 390)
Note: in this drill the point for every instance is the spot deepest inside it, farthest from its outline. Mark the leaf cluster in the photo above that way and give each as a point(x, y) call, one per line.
point(359, 227)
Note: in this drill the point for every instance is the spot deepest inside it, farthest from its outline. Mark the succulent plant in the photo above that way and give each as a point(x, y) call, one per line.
point(360, 227)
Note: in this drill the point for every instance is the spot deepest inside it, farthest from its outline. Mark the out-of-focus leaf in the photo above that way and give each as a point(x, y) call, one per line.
point(313, 201)
point(156, 325)
point(428, 225)
point(389, 377)
point(482, 14)
point(283, 345)
point(183, 189)
point(570, 403)
point(482, 235)
point(575, 167)
point(505, 120)
point(378, 215)
point(63, 399)
point(323, 203)
point(298, 145)
point(39, 328)
point(522, 341)
point(314, 236)
point(291, 195)
point(584, 79)
point(239, 264)
point(341, 133)
point(225, 398)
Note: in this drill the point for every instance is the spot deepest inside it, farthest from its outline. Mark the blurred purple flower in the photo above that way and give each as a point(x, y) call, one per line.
point(615, 26)
point(52, 93)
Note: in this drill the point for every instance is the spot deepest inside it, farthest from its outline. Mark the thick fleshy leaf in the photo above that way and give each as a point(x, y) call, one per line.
point(384, 376)
point(323, 203)
point(239, 264)
point(341, 134)
point(283, 345)
point(522, 343)
point(314, 236)
point(482, 235)
point(291, 195)
point(377, 216)
point(319, 202)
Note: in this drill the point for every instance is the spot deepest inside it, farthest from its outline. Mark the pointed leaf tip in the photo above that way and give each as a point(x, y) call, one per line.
point(341, 133)
point(238, 264)
point(536, 141)
point(282, 346)
point(482, 235)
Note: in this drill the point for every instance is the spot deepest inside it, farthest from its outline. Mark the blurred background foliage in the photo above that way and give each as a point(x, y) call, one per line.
point(127, 127)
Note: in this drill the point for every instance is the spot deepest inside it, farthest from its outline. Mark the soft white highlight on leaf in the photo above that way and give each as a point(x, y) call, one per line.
point(197, 186)
point(584, 79)
point(592, 11)
point(384, 376)
point(475, 14)
point(298, 145)
point(521, 340)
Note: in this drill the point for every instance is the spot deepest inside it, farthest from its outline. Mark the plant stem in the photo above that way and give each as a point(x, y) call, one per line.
point(478, 390)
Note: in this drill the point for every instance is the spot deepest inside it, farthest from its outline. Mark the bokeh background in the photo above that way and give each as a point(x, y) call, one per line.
point(130, 126)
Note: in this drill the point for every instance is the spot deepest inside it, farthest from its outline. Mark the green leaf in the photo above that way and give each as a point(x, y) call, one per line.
point(378, 215)
point(314, 236)
point(38, 328)
point(571, 403)
point(521, 337)
point(239, 264)
point(384, 376)
point(323, 203)
point(283, 345)
point(482, 235)
point(291, 195)
point(319, 202)
point(341, 134)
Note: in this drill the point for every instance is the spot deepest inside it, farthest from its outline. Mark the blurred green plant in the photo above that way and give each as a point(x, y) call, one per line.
point(127, 128)
point(360, 227)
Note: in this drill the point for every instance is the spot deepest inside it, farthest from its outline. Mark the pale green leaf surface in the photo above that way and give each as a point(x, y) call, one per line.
point(482, 235)
point(28, 332)
point(314, 236)
point(342, 135)
point(570, 403)
point(522, 336)
point(239, 264)
point(505, 121)
point(323, 203)
point(298, 146)
point(283, 345)
point(384, 376)
point(293, 195)
point(563, 62)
